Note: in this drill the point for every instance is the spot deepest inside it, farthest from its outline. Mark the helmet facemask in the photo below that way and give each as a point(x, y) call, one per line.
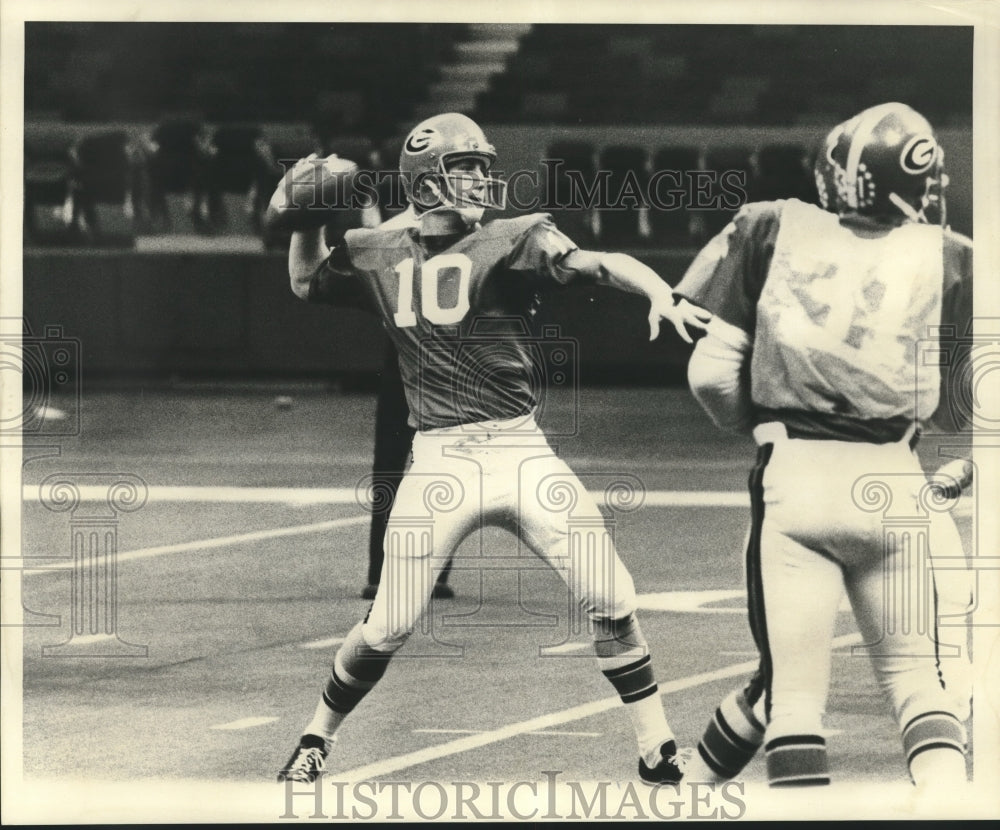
point(468, 191)
point(932, 209)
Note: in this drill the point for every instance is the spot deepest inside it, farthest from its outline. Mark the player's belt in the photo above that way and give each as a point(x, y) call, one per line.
point(779, 425)
point(520, 423)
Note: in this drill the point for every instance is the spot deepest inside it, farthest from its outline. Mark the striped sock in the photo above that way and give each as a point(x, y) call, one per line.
point(797, 761)
point(623, 657)
point(356, 669)
point(934, 743)
point(732, 737)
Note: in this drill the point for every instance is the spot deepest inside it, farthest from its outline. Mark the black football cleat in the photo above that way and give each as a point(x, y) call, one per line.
point(307, 762)
point(668, 771)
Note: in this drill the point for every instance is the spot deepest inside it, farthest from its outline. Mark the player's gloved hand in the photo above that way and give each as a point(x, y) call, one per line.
point(952, 478)
point(682, 314)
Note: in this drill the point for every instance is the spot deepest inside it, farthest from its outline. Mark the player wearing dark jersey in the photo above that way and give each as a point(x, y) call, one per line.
point(457, 297)
point(823, 320)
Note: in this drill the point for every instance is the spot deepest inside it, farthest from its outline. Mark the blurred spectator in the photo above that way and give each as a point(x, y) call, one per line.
point(48, 189)
point(206, 197)
point(104, 168)
point(179, 154)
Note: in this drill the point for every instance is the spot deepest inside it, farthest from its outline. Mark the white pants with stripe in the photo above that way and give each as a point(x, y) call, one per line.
point(832, 517)
point(501, 473)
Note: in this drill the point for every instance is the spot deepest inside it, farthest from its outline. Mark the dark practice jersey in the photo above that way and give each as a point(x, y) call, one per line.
point(459, 313)
point(841, 314)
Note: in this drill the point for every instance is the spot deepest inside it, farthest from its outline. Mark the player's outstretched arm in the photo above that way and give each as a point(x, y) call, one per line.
point(629, 274)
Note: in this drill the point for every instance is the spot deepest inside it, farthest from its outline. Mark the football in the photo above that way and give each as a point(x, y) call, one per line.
point(310, 193)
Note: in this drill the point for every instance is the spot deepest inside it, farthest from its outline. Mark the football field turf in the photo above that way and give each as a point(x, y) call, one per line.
point(242, 569)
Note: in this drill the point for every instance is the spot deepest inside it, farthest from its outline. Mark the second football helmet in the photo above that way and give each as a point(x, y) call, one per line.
point(884, 162)
point(825, 171)
point(428, 153)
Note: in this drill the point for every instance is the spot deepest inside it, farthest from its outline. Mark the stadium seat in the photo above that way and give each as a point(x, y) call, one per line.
point(783, 171)
point(240, 170)
point(730, 172)
point(669, 218)
point(567, 165)
point(622, 220)
point(180, 151)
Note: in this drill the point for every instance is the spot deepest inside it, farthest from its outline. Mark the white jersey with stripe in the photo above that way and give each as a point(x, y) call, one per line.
point(842, 314)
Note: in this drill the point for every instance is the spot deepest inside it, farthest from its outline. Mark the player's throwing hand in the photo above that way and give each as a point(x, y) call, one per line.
point(681, 313)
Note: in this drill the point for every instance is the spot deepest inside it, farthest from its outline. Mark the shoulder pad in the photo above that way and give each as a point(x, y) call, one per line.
point(373, 237)
point(958, 240)
point(762, 212)
point(517, 225)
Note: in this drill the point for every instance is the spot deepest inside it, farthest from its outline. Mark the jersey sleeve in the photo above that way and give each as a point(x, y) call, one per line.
point(727, 275)
point(956, 300)
point(540, 250)
point(336, 282)
point(952, 414)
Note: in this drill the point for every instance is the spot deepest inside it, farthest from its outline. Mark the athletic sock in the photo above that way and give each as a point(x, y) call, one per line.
point(934, 743)
point(796, 761)
point(356, 669)
point(730, 740)
point(623, 657)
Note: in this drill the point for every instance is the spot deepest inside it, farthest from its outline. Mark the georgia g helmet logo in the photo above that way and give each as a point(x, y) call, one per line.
point(418, 140)
point(918, 155)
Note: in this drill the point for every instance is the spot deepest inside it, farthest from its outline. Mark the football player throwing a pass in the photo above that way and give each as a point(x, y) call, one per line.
point(821, 318)
point(455, 295)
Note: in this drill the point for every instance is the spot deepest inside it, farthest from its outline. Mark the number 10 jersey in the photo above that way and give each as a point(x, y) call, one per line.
point(459, 311)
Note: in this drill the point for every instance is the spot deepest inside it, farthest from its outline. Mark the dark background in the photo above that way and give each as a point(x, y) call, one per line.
point(151, 148)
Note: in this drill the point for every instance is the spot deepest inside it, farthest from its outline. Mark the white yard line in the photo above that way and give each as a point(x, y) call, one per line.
point(542, 722)
point(567, 647)
point(327, 643)
point(217, 542)
point(350, 495)
point(480, 732)
point(219, 495)
point(244, 723)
